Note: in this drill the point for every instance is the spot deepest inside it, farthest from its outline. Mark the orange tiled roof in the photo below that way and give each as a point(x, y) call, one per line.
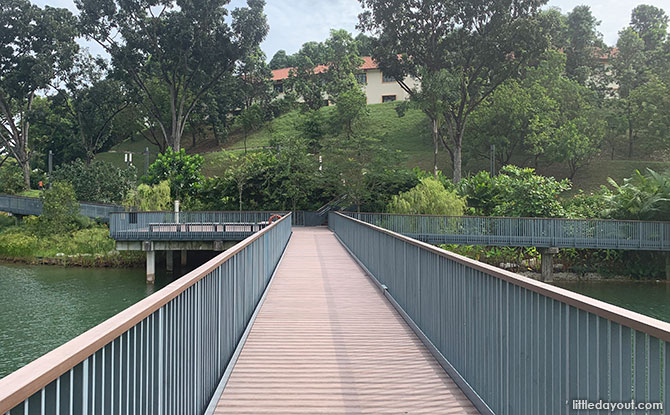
point(281, 74)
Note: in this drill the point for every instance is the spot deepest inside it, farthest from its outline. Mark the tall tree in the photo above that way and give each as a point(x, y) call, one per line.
point(184, 46)
point(479, 44)
point(36, 47)
point(281, 60)
point(584, 44)
point(651, 24)
point(256, 79)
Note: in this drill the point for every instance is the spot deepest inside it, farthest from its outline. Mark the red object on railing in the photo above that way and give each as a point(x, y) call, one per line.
point(273, 218)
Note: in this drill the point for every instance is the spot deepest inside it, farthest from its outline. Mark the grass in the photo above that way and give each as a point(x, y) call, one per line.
point(410, 135)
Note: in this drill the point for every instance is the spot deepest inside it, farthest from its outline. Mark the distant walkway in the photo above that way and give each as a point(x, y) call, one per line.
point(327, 341)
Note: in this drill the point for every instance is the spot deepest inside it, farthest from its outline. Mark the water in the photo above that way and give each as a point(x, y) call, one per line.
point(42, 307)
point(645, 297)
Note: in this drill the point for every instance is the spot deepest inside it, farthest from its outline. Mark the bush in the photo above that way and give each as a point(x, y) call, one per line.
point(17, 244)
point(60, 212)
point(641, 197)
point(428, 198)
point(514, 192)
point(181, 170)
point(150, 198)
point(11, 178)
point(99, 182)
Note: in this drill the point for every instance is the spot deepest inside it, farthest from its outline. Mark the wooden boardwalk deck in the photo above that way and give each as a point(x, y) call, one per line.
point(327, 341)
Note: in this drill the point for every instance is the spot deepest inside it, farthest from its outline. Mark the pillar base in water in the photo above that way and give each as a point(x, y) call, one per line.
point(548, 263)
point(151, 267)
point(169, 261)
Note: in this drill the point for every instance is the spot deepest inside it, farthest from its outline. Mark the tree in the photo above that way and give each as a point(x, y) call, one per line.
point(60, 209)
point(98, 181)
point(584, 44)
point(180, 169)
point(479, 45)
point(351, 108)
point(281, 60)
point(249, 120)
point(185, 47)
point(147, 198)
point(429, 197)
point(651, 24)
point(37, 47)
point(255, 80)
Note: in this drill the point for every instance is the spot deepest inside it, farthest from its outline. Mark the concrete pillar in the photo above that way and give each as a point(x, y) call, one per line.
point(184, 257)
point(151, 267)
point(169, 261)
point(548, 263)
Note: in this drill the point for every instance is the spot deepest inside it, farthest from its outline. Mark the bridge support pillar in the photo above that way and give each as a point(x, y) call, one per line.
point(184, 257)
point(151, 267)
point(169, 261)
point(548, 263)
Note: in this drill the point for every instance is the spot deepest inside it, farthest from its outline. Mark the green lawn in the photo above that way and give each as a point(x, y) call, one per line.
point(410, 135)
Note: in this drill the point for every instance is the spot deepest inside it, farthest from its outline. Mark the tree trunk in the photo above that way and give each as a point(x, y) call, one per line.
point(458, 154)
point(436, 141)
point(25, 165)
point(630, 139)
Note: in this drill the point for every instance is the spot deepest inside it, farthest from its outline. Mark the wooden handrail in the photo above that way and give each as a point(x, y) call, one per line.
point(637, 321)
point(23, 383)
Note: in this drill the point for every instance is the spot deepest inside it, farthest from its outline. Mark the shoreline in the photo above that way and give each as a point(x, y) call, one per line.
point(76, 261)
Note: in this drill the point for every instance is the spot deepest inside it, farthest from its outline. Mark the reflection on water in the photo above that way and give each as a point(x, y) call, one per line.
point(645, 297)
point(44, 307)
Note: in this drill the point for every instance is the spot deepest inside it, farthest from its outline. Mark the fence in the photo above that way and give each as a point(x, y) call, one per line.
point(164, 355)
point(516, 346)
point(20, 205)
point(537, 232)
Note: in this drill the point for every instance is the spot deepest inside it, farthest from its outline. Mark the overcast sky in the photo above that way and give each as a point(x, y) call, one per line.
point(294, 22)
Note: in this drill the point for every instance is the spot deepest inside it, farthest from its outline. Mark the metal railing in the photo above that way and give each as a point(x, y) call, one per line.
point(516, 346)
point(537, 232)
point(163, 355)
point(20, 205)
point(187, 226)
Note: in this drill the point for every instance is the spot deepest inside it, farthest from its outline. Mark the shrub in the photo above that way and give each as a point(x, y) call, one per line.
point(514, 192)
point(430, 198)
point(60, 212)
point(150, 198)
point(641, 197)
point(182, 171)
point(17, 244)
point(100, 181)
point(11, 178)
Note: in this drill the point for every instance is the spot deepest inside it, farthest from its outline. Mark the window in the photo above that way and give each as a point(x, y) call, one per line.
point(387, 78)
point(279, 88)
point(362, 78)
point(388, 98)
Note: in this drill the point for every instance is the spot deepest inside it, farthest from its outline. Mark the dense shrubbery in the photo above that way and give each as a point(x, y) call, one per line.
point(11, 178)
point(150, 198)
point(514, 192)
point(429, 197)
point(99, 182)
point(181, 170)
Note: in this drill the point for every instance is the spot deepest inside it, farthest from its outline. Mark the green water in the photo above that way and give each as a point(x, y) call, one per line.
point(42, 308)
point(649, 298)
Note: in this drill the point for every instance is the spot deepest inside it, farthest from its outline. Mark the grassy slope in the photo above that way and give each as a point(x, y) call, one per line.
point(410, 135)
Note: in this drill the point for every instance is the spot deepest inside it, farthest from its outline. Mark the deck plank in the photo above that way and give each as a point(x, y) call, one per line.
point(327, 341)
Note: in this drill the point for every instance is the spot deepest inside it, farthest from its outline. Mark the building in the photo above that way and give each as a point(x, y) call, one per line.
point(378, 87)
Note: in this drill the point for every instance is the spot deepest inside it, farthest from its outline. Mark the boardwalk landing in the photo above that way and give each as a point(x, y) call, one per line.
point(327, 341)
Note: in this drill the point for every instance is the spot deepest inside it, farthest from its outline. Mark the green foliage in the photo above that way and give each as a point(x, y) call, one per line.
point(180, 169)
point(588, 205)
point(11, 178)
point(99, 181)
point(514, 192)
point(147, 198)
point(60, 212)
point(350, 109)
point(641, 197)
point(428, 198)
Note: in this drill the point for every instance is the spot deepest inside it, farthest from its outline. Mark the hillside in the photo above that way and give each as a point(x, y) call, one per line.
point(410, 135)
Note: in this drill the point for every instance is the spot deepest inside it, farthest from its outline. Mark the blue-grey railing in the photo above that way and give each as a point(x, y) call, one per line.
point(164, 355)
point(187, 226)
point(20, 205)
point(515, 345)
point(537, 232)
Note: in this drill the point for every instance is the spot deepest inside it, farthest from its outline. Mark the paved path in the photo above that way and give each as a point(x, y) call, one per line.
point(327, 341)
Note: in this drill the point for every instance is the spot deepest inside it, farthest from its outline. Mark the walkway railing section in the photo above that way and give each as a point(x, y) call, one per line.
point(164, 355)
point(537, 232)
point(20, 205)
point(521, 346)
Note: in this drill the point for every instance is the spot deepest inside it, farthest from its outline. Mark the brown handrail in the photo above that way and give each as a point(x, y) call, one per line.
point(23, 383)
point(640, 322)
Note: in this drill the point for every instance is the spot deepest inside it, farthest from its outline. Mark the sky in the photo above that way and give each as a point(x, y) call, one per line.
point(294, 22)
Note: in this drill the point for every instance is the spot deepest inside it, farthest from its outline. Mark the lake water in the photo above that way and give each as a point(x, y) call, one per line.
point(43, 307)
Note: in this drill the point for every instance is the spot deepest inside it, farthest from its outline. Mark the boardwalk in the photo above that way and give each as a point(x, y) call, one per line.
point(327, 341)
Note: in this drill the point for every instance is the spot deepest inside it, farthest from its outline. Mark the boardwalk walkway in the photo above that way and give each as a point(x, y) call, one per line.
point(327, 341)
